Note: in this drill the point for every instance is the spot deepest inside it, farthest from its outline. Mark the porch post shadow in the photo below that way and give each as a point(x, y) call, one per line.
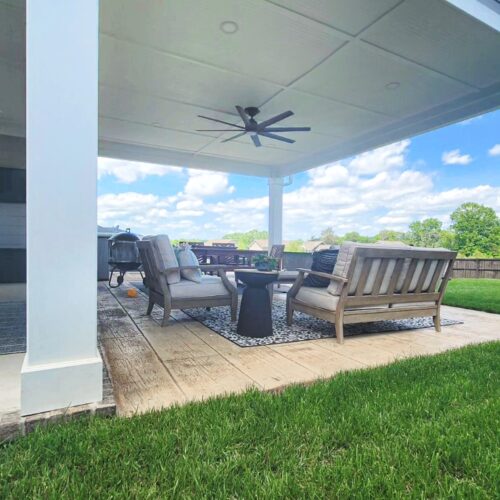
point(62, 366)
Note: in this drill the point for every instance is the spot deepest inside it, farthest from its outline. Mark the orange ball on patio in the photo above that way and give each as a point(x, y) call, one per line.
point(132, 293)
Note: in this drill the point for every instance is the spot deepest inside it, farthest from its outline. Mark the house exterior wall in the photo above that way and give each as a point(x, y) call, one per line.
point(12, 215)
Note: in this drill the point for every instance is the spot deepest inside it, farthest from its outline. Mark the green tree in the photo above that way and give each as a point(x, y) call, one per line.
point(294, 246)
point(389, 235)
point(329, 237)
point(425, 233)
point(355, 236)
point(476, 229)
point(244, 240)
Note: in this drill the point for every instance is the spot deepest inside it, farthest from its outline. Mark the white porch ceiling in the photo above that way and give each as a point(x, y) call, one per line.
point(164, 62)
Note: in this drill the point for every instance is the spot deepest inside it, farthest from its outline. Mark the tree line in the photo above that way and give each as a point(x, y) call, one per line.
point(474, 232)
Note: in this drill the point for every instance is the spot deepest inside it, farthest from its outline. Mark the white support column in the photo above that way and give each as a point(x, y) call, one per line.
point(62, 366)
point(275, 211)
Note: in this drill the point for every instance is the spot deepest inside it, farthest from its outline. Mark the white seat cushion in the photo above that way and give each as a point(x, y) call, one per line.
point(317, 297)
point(210, 286)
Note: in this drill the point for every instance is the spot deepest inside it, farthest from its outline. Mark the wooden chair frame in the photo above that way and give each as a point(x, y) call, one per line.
point(350, 305)
point(159, 291)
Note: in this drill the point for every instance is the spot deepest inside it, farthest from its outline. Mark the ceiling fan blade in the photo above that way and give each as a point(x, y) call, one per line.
point(287, 129)
point(220, 121)
point(243, 115)
point(277, 137)
point(218, 130)
point(234, 137)
point(274, 119)
point(256, 140)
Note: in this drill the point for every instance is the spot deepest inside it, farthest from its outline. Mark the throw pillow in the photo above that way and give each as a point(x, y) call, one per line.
point(186, 257)
point(324, 262)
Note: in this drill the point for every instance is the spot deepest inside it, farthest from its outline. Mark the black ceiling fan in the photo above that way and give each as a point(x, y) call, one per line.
point(255, 129)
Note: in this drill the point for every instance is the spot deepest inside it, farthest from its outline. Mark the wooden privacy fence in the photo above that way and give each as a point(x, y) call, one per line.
point(477, 268)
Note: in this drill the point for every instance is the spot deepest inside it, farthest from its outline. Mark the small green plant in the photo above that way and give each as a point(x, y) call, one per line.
point(265, 263)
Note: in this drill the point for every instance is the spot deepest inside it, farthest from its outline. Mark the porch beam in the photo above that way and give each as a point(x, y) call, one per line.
point(62, 366)
point(275, 221)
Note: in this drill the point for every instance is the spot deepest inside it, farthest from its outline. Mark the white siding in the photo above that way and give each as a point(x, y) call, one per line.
point(12, 225)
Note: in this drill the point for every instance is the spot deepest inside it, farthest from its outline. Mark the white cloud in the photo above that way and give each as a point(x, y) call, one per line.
point(455, 158)
point(381, 159)
point(495, 150)
point(128, 172)
point(203, 183)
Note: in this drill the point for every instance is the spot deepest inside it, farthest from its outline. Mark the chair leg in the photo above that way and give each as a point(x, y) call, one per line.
point(437, 320)
point(289, 313)
point(166, 314)
point(150, 306)
point(234, 310)
point(339, 328)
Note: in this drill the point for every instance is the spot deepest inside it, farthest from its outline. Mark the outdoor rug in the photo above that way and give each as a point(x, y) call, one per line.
point(304, 327)
point(12, 327)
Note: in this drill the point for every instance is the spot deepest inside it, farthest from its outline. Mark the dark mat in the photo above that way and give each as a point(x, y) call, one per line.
point(304, 327)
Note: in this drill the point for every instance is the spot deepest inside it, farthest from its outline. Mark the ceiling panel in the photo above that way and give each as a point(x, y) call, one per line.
point(270, 43)
point(151, 72)
point(305, 142)
point(358, 75)
point(322, 115)
point(135, 133)
point(149, 110)
point(435, 34)
point(351, 16)
point(247, 151)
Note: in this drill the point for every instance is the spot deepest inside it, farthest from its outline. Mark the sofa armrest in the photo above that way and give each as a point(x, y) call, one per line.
point(332, 277)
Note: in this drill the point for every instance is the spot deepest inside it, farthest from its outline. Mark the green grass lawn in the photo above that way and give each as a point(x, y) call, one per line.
point(425, 427)
point(483, 295)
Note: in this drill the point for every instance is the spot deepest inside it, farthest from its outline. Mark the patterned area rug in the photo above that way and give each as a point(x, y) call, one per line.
point(12, 327)
point(304, 327)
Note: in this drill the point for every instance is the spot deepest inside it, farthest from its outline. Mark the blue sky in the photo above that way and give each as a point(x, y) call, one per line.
point(425, 176)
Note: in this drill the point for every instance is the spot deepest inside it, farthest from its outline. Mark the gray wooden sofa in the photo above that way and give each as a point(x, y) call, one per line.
point(168, 289)
point(374, 282)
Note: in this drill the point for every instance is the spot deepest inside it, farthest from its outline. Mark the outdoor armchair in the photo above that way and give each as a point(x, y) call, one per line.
point(169, 290)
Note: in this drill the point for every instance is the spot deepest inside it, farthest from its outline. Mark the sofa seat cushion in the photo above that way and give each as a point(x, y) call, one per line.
point(317, 297)
point(210, 286)
point(320, 297)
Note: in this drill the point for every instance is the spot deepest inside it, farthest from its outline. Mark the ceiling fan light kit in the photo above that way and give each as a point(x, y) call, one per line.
point(255, 129)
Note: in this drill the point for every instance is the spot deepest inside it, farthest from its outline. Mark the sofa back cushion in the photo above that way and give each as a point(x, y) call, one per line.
point(324, 262)
point(165, 257)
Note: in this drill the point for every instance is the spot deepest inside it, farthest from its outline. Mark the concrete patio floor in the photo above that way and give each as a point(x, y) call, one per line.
point(153, 367)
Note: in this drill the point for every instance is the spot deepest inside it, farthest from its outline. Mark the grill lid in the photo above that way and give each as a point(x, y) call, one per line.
point(125, 236)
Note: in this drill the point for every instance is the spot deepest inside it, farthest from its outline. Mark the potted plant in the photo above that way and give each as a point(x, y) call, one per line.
point(265, 263)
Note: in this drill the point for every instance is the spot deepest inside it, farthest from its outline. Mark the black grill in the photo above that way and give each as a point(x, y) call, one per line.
point(123, 256)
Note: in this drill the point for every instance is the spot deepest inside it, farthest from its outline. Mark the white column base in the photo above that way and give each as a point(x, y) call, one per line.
point(60, 385)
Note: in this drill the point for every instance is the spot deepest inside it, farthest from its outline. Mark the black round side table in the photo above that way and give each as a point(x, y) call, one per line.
point(255, 318)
